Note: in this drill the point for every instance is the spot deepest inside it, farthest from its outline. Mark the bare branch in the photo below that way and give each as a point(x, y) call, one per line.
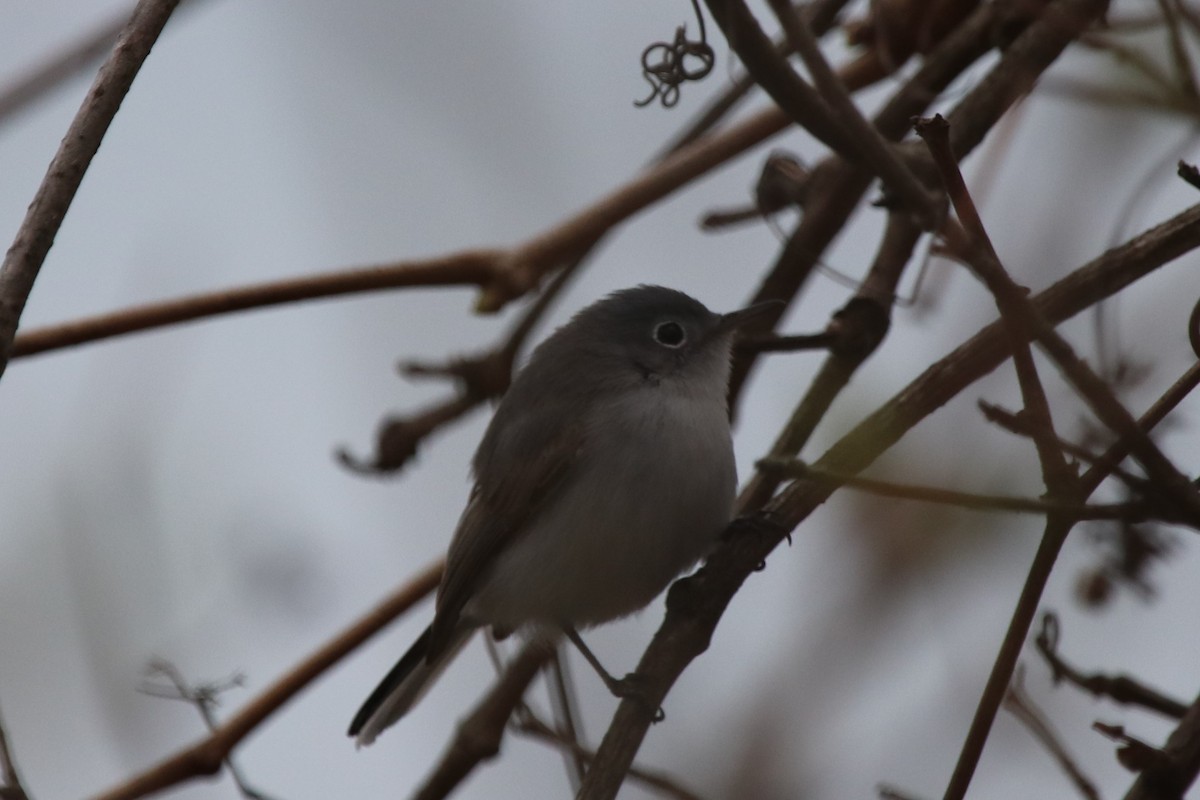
point(799, 100)
point(204, 697)
point(566, 714)
point(1094, 391)
point(770, 343)
point(1175, 767)
point(1135, 512)
point(49, 206)
point(478, 736)
point(1119, 688)
point(1018, 703)
point(1016, 424)
point(1185, 72)
point(480, 378)
point(10, 779)
point(530, 725)
point(855, 330)
point(695, 605)
point(62, 66)
point(502, 274)
point(206, 756)
point(468, 268)
point(873, 148)
point(836, 186)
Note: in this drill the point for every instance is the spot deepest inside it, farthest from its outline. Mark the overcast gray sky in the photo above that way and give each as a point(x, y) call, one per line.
point(174, 494)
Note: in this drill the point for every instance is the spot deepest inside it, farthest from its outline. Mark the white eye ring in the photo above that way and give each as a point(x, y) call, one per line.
point(670, 334)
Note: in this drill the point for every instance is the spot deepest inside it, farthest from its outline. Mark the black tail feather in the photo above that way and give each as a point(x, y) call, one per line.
point(407, 663)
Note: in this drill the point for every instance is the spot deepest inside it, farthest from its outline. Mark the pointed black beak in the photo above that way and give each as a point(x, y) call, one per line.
point(736, 319)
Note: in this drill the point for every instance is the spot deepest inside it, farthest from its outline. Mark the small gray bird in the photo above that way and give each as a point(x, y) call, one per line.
point(606, 472)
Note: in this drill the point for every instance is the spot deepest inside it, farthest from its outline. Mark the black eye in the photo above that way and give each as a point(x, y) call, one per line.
point(670, 334)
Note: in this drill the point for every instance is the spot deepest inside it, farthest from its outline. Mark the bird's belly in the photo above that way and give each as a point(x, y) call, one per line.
point(633, 514)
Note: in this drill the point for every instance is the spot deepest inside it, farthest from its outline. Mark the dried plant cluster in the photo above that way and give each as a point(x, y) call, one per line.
point(913, 156)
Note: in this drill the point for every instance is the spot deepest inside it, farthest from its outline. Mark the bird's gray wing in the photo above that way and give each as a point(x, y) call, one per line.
point(520, 465)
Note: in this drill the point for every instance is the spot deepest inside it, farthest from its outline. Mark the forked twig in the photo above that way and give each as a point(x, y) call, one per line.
point(206, 756)
point(1018, 703)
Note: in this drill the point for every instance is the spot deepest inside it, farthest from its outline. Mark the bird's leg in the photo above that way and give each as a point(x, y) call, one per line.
point(630, 687)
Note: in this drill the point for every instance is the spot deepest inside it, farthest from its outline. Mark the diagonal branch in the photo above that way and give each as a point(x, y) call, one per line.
point(502, 274)
point(695, 605)
point(206, 756)
point(478, 737)
point(45, 215)
point(872, 147)
point(1094, 391)
point(1060, 480)
point(470, 268)
point(857, 330)
point(73, 59)
point(1170, 776)
point(529, 725)
point(481, 377)
point(1127, 512)
point(1018, 703)
point(771, 71)
point(10, 779)
point(1119, 688)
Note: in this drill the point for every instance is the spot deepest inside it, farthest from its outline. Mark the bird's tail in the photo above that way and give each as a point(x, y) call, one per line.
point(407, 683)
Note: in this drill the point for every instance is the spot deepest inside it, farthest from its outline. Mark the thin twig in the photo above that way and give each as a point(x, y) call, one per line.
point(837, 187)
point(892, 793)
point(478, 736)
point(1137, 61)
point(502, 274)
point(1128, 512)
point(1169, 772)
point(206, 756)
point(1018, 703)
point(562, 700)
point(204, 698)
point(480, 378)
point(1103, 95)
point(695, 605)
point(10, 779)
point(34, 238)
point(1119, 688)
point(771, 71)
point(466, 268)
point(1015, 424)
point(1182, 61)
point(1092, 389)
point(972, 242)
point(1189, 173)
point(856, 329)
point(1139, 757)
point(771, 343)
point(530, 725)
point(62, 66)
point(1130, 23)
point(1058, 476)
point(872, 147)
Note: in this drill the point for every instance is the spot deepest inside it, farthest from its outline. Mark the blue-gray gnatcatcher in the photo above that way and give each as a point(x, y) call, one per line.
point(606, 471)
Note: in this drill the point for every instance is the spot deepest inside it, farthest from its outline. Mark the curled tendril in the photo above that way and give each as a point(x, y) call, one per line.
point(1048, 638)
point(664, 66)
